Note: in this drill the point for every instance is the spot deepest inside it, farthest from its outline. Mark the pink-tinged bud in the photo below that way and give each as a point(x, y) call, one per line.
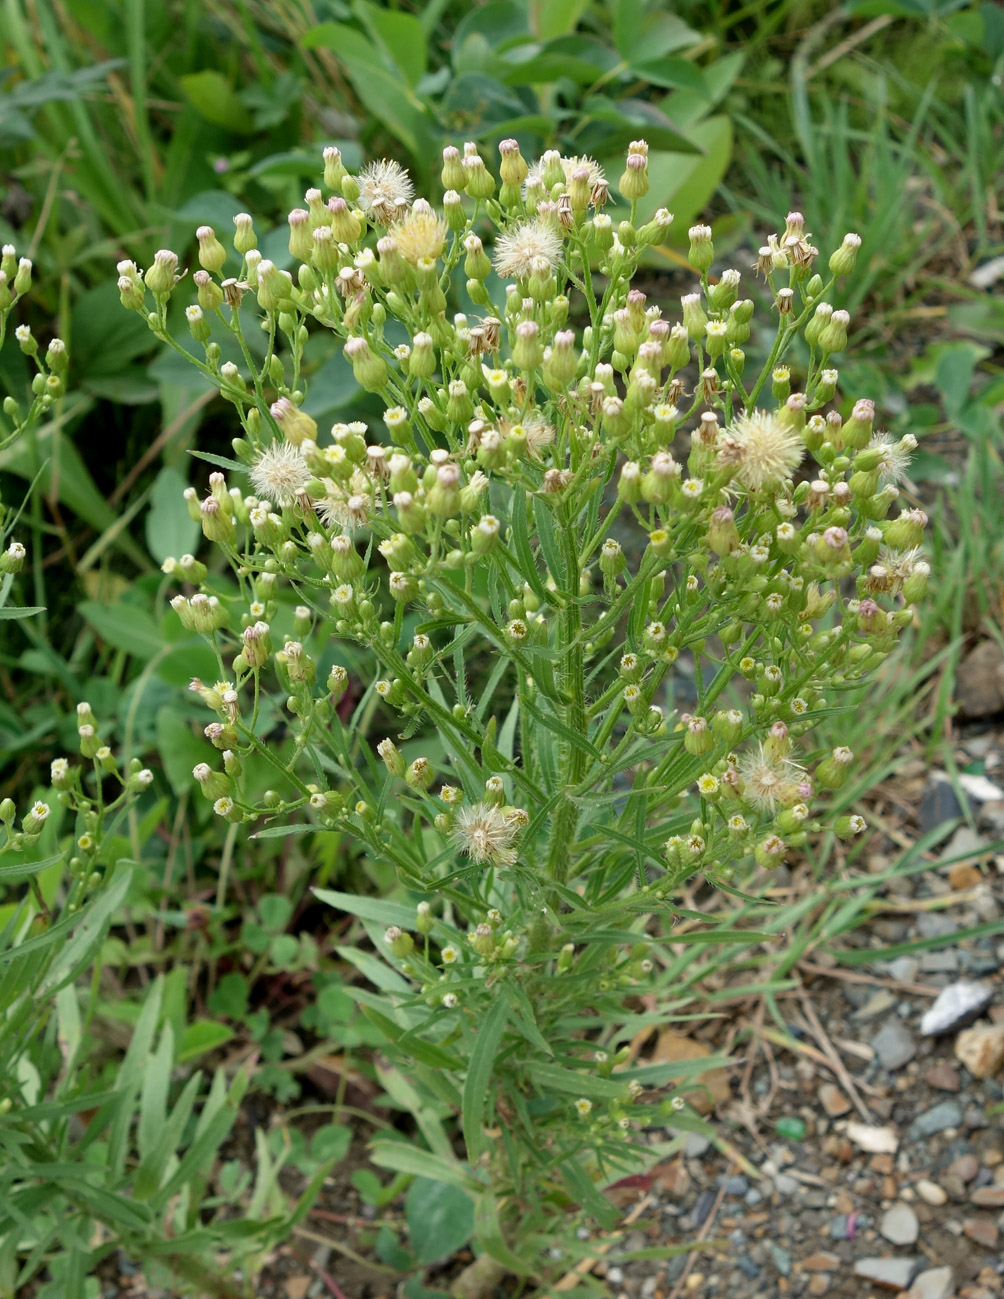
point(697, 739)
point(723, 535)
point(295, 425)
point(512, 166)
point(872, 619)
point(907, 531)
point(833, 547)
point(633, 183)
point(857, 430)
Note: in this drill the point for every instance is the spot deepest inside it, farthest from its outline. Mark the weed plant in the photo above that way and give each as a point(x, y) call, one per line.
point(543, 843)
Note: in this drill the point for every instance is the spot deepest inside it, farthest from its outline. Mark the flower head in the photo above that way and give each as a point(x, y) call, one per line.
point(385, 189)
point(516, 252)
point(768, 780)
point(486, 833)
point(280, 473)
point(419, 235)
point(895, 455)
point(764, 451)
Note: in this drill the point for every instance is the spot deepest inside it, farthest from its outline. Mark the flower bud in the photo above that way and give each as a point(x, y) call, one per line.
point(420, 774)
point(212, 254)
point(833, 335)
point(512, 166)
point(633, 183)
point(702, 250)
point(162, 276)
point(480, 182)
point(856, 431)
point(400, 943)
point(697, 739)
point(453, 175)
point(369, 369)
point(843, 261)
point(832, 771)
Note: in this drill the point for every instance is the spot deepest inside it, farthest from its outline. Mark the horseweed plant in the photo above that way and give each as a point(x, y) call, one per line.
point(580, 491)
point(48, 384)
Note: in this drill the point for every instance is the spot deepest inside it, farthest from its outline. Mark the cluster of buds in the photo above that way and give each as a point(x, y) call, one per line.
point(579, 506)
point(49, 367)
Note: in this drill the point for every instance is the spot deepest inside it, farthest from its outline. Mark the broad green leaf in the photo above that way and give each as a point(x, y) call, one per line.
point(685, 182)
point(210, 94)
point(401, 35)
point(380, 90)
point(477, 1086)
point(124, 626)
point(500, 23)
point(440, 1218)
point(557, 17)
point(169, 530)
point(201, 1036)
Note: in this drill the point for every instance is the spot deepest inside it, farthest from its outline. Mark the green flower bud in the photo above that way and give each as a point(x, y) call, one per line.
point(633, 183)
point(420, 774)
point(833, 335)
point(512, 165)
point(702, 250)
point(480, 182)
point(212, 254)
point(369, 369)
point(695, 319)
point(843, 261)
point(453, 175)
point(162, 276)
point(832, 771)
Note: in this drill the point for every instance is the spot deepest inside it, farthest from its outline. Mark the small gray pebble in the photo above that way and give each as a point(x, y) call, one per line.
point(947, 1114)
point(935, 924)
point(894, 1044)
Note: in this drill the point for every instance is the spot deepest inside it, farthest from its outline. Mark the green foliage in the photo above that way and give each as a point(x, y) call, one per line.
point(124, 126)
point(538, 874)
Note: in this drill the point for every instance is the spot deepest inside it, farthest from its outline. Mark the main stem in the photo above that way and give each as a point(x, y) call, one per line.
point(573, 701)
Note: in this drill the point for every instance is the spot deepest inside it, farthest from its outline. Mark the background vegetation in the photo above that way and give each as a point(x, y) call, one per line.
point(123, 126)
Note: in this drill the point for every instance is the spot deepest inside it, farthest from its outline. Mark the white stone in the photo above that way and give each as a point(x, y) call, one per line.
point(956, 1005)
point(890, 1273)
point(877, 1141)
point(899, 1225)
point(935, 1283)
point(930, 1192)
